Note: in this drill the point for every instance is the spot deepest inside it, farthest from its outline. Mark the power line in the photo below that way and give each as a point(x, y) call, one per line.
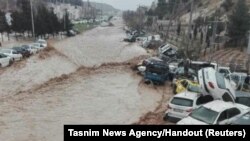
point(189, 27)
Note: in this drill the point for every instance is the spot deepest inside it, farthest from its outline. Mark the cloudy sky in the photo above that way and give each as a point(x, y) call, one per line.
point(125, 4)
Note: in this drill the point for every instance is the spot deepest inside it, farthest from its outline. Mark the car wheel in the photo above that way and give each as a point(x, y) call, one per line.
point(0, 65)
point(147, 82)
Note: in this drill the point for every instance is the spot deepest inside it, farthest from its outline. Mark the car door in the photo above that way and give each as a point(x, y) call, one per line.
point(16, 54)
point(4, 60)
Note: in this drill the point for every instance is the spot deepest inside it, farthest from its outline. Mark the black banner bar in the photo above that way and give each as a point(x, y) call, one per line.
point(154, 132)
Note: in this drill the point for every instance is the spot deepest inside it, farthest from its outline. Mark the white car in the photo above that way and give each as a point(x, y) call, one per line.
point(238, 79)
point(167, 49)
point(5, 60)
point(215, 84)
point(182, 104)
point(31, 49)
point(12, 54)
point(37, 46)
point(42, 42)
point(215, 112)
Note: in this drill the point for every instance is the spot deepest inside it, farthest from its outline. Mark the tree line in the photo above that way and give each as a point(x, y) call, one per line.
point(46, 21)
point(73, 2)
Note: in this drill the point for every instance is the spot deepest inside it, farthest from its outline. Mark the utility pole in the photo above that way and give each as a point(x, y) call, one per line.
point(7, 6)
point(64, 17)
point(190, 28)
point(32, 19)
point(212, 50)
point(171, 18)
point(248, 52)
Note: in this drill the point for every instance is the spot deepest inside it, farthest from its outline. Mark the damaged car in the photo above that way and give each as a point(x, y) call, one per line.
point(215, 84)
point(182, 104)
point(156, 73)
point(215, 113)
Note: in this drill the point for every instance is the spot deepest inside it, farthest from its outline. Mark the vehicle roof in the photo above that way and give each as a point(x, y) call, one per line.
point(203, 62)
point(239, 73)
point(41, 40)
point(187, 95)
point(6, 49)
point(154, 59)
point(219, 105)
point(242, 94)
point(224, 67)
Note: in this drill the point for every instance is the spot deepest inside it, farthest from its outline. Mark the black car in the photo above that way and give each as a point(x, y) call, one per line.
point(23, 51)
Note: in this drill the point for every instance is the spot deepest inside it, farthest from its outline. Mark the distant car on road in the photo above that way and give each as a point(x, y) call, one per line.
point(25, 53)
point(215, 112)
point(38, 46)
point(5, 60)
point(42, 42)
point(224, 70)
point(14, 55)
point(30, 48)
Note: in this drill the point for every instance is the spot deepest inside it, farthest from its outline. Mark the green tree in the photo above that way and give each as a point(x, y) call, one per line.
point(3, 24)
point(17, 23)
point(25, 8)
point(162, 8)
point(239, 23)
point(68, 24)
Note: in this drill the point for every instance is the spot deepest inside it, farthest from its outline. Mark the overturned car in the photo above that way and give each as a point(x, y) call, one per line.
point(215, 84)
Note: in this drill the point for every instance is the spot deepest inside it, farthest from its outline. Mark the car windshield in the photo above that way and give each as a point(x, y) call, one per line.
point(2, 55)
point(193, 88)
point(220, 80)
point(25, 46)
point(37, 44)
point(182, 102)
point(205, 115)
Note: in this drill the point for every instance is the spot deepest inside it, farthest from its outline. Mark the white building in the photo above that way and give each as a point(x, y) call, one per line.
point(75, 12)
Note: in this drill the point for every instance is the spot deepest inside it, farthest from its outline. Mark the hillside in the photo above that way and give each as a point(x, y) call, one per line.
point(106, 8)
point(11, 4)
point(208, 7)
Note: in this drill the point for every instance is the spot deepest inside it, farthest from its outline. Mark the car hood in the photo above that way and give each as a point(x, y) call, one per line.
point(190, 121)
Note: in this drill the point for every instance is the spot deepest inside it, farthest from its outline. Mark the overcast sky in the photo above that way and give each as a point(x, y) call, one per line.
point(125, 4)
